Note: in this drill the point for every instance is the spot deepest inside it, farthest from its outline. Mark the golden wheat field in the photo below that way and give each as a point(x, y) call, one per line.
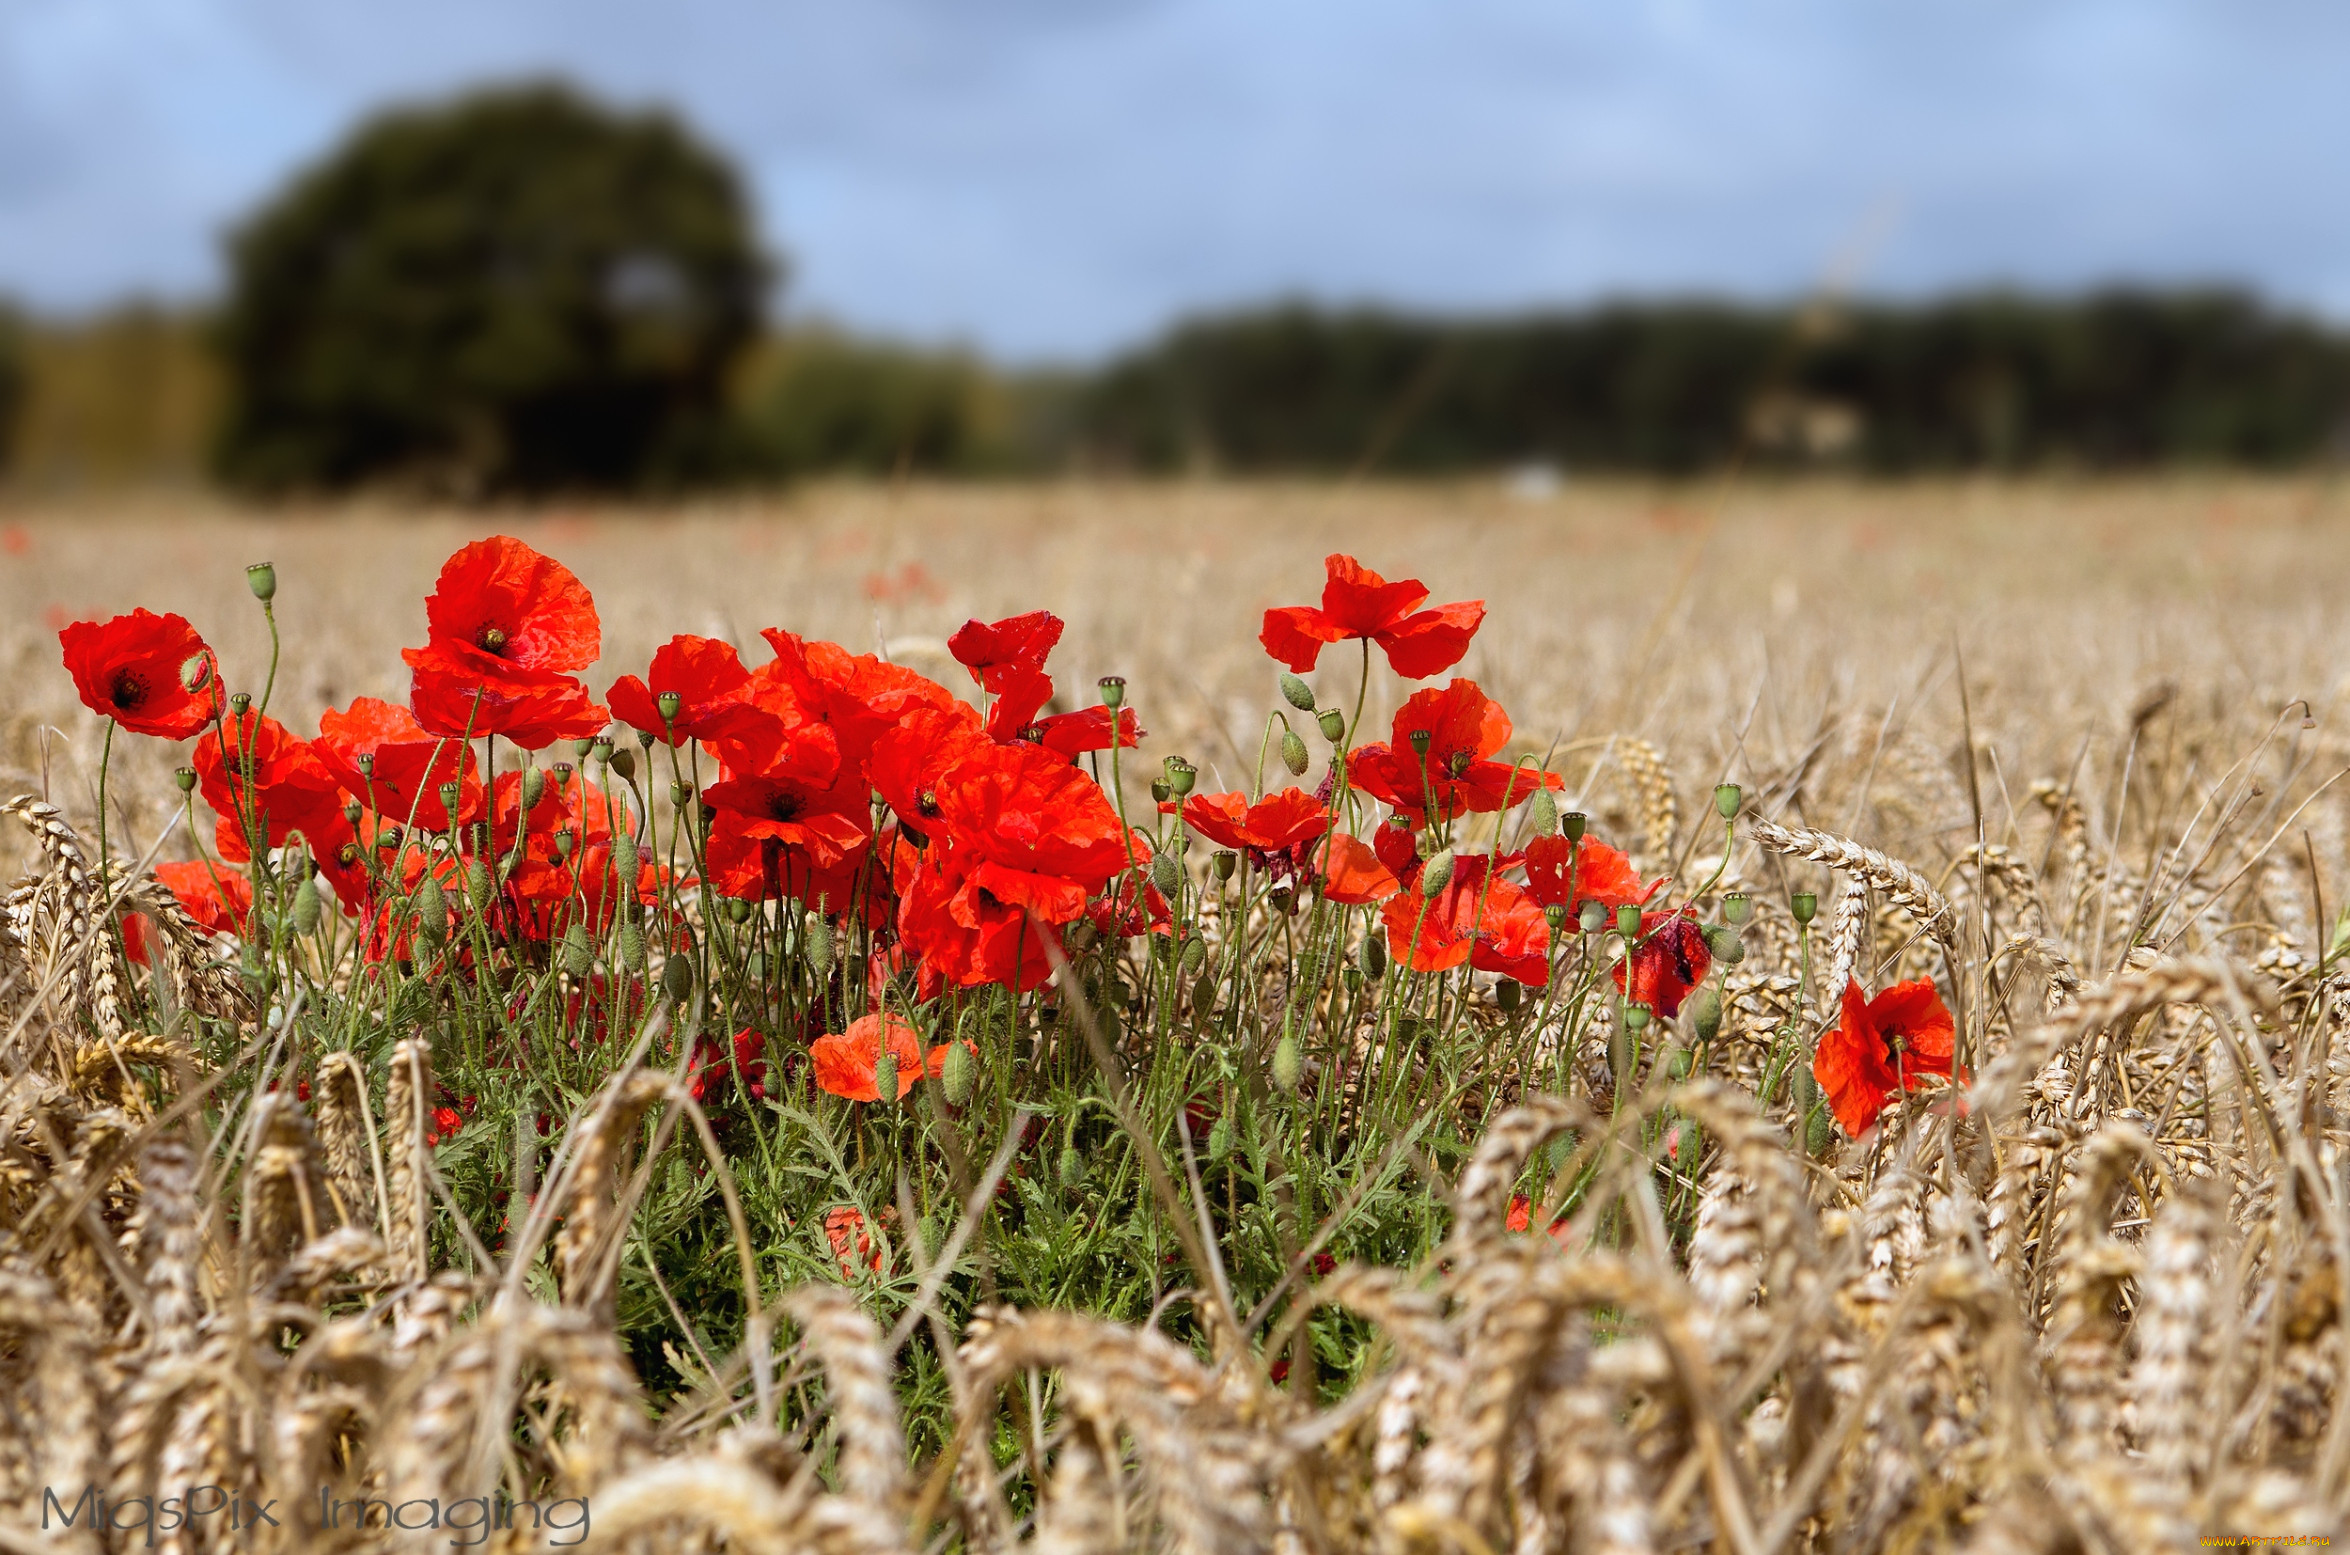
point(2066, 750)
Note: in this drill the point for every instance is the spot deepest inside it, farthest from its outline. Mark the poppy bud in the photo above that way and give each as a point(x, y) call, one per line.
point(1593, 917)
point(669, 702)
point(1195, 956)
point(451, 793)
point(885, 1077)
point(1288, 1064)
point(1725, 943)
point(958, 1072)
point(1573, 824)
point(677, 976)
point(1181, 775)
point(1628, 920)
point(196, 672)
point(1805, 905)
point(1220, 1138)
point(565, 840)
point(1727, 797)
point(1293, 752)
point(1679, 1062)
point(1160, 791)
point(1296, 692)
point(624, 763)
point(240, 703)
point(1113, 689)
point(1224, 863)
point(304, 913)
point(1071, 1169)
point(534, 787)
point(185, 777)
point(1166, 873)
point(578, 954)
point(1373, 956)
point(1556, 916)
point(624, 859)
point(1705, 1012)
point(1420, 740)
point(1737, 907)
point(1436, 874)
point(432, 907)
point(261, 578)
point(1506, 994)
point(477, 882)
point(679, 792)
point(818, 945)
point(351, 811)
point(1333, 724)
point(632, 945)
point(1542, 813)
point(581, 746)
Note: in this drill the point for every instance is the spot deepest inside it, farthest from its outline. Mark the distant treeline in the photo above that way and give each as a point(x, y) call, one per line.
point(2114, 380)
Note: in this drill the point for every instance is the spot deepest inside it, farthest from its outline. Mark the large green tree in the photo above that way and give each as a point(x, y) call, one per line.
point(519, 290)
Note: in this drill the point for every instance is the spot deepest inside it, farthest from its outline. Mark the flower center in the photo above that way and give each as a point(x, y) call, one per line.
point(491, 639)
point(1458, 762)
point(129, 690)
point(784, 807)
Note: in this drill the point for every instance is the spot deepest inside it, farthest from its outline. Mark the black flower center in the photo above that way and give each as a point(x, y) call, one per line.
point(784, 807)
point(129, 690)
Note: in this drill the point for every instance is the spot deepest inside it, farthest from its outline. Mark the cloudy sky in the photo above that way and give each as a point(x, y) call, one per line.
point(1058, 177)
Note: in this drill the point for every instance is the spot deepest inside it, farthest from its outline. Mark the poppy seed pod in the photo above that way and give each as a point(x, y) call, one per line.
point(565, 840)
point(1726, 944)
point(1282, 900)
point(958, 1072)
point(261, 578)
point(738, 910)
point(1628, 921)
point(1373, 956)
point(1737, 907)
point(1636, 1017)
point(1160, 791)
point(677, 976)
point(1166, 872)
point(1506, 994)
point(1293, 753)
point(1288, 1064)
point(1436, 874)
point(1556, 916)
point(352, 812)
point(1333, 724)
point(624, 763)
point(1420, 740)
point(581, 746)
point(602, 749)
point(1542, 813)
point(668, 703)
point(241, 703)
point(451, 793)
point(1224, 863)
point(1573, 825)
point(534, 787)
point(1805, 905)
point(185, 777)
point(1592, 917)
point(679, 792)
point(1705, 1013)
point(1727, 797)
point(304, 913)
point(1113, 688)
point(1181, 775)
point(885, 1077)
point(1296, 692)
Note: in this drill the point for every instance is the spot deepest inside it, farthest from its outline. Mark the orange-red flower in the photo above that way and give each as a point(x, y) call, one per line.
point(507, 625)
point(708, 678)
point(1357, 602)
point(406, 765)
point(996, 652)
point(460, 690)
point(1276, 821)
point(822, 821)
point(845, 1063)
point(269, 784)
point(1572, 873)
point(1463, 727)
point(152, 674)
point(218, 898)
point(712, 1066)
point(844, 1228)
point(855, 696)
point(1897, 1041)
point(1670, 960)
point(1087, 729)
point(1353, 875)
point(1478, 917)
point(910, 761)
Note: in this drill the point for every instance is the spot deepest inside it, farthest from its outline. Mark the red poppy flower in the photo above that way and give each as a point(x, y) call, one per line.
point(1883, 1046)
point(220, 899)
point(1280, 820)
point(1353, 875)
point(503, 598)
point(557, 882)
point(712, 1067)
point(1087, 729)
point(446, 1121)
point(1521, 1218)
point(994, 652)
point(152, 674)
point(709, 679)
point(845, 1064)
point(1670, 960)
point(458, 689)
point(1131, 906)
point(755, 869)
point(1572, 873)
point(1035, 832)
point(407, 765)
point(1478, 917)
point(855, 696)
point(822, 821)
point(910, 761)
point(1464, 727)
point(257, 774)
point(1357, 602)
point(844, 1228)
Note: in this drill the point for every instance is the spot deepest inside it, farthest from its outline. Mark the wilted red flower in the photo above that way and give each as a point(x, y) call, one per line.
point(1670, 960)
point(1478, 917)
point(1572, 873)
point(845, 1064)
point(268, 784)
point(1353, 875)
point(712, 1066)
point(996, 652)
point(1464, 727)
point(709, 679)
point(508, 601)
point(219, 899)
point(1357, 602)
point(408, 766)
point(152, 674)
point(1280, 820)
point(844, 1228)
point(1882, 1047)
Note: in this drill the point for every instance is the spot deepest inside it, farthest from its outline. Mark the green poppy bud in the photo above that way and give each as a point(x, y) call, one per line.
point(1737, 907)
point(451, 795)
point(1166, 873)
point(1805, 905)
point(1593, 917)
point(1436, 874)
point(677, 976)
point(578, 955)
point(1679, 1062)
point(1296, 692)
point(959, 1072)
point(1071, 1170)
point(669, 703)
point(1542, 813)
point(1727, 797)
point(1220, 1138)
point(1293, 753)
point(261, 578)
point(1621, 1050)
point(185, 777)
point(1333, 724)
point(632, 945)
point(1628, 920)
point(1373, 956)
point(1573, 824)
point(1705, 1013)
point(1113, 688)
point(1288, 1064)
point(1195, 956)
point(534, 787)
point(432, 908)
point(819, 945)
point(1507, 993)
point(1724, 943)
point(624, 859)
point(478, 883)
point(885, 1077)
point(304, 912)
